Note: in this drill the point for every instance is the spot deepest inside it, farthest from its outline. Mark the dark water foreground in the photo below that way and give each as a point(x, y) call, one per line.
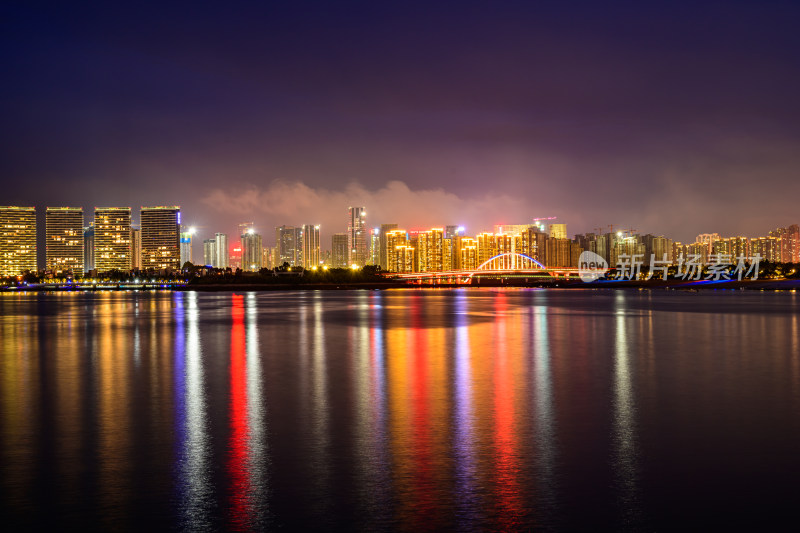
point(461, 409)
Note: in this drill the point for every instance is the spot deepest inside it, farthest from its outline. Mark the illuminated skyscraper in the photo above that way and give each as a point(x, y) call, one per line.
point(339, 250)
point(429, 250)
point(374, 246)
point(270, 257)
point(88, 247)
point(252, 252)
point(487, 246)
point(558, 231)
point(516, 229)
point(17, 240)
point(533, 243)
point(289, 241)
point(136, 248)
point(187, 236)
point(451, 232)
point(405, 258)
point(769, 248)
point(112, 238)
point(209, 252)
point(707, 239)
point(161, 237)
point(64, 239)
point(383, 258)
point(394, 239)
point(221, 250)
point(310, 245)
point(357, 252)
point(235, 257)
point(789, 243)
point(468, 253)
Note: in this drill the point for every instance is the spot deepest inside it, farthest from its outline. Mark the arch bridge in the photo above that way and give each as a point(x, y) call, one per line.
point(504, 266)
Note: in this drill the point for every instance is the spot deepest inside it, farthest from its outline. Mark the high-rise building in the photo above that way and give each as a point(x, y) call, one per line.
point(357, 236)
point(17, 240)
point(468, 253)
point(374, 246)
point(252, 252)
point(558, 231)
point(88, 247)
point(769, 248)
point(221, 250)
point(429, 250)
point(383, 258)
point(136, 248)
point(310, 254)
point(235, 257)
point(404, 256)
point(559, 253)
point(112, 238)
point(707, 239)
point(451, 232)
point(789, 243)
point(533, 243)
point(289, 241)
point(64, 239)
point(734, 247)
point(270, 257)
point(339, 250)
point(516, 229)
point(187, 235)
point(487, 246)
point(161, 237)
point(209, 252)
point(395, 238)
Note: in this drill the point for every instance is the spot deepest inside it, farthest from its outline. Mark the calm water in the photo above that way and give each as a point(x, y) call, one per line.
point(403, 410)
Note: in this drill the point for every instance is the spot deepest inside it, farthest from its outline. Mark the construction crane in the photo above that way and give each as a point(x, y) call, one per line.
point(537, 221)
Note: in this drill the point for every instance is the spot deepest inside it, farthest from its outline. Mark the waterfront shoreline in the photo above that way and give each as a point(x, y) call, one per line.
point(771, 285)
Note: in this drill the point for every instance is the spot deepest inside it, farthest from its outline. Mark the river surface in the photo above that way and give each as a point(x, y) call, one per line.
point(467, 409)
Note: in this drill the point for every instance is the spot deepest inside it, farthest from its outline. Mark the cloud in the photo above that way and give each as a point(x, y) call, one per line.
point(295, 203)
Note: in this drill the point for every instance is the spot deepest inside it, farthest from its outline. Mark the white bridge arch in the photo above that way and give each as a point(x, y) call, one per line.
point(510, 261)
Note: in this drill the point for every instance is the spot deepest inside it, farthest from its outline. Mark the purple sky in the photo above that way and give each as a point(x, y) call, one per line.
point(678, 120)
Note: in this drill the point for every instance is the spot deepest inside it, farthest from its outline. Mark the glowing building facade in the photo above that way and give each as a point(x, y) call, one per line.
point(161, 237)
point(88, 247)
point(136, 248)
point(252, 251)
point(221, 250)
point(357, 252)
point(339, 250)
point(310, 236)
point(209, 252)
point(289, 241)
point(187, 235)
point(112, 238)
point(383, 259)
point(17, 240)
point(64, 240)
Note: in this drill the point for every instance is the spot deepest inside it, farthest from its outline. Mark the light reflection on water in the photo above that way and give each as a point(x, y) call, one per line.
point(412, 410)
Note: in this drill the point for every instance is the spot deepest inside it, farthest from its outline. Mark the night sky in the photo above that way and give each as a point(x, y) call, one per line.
point(676, 119)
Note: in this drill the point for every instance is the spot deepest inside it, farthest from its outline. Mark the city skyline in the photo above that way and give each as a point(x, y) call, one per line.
point(485, 113)
point(112, 241)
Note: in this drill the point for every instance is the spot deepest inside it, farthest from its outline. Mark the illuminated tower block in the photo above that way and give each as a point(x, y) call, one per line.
point(17, 240)
point(112, 238)
point(64, 244)
point(161, 237)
